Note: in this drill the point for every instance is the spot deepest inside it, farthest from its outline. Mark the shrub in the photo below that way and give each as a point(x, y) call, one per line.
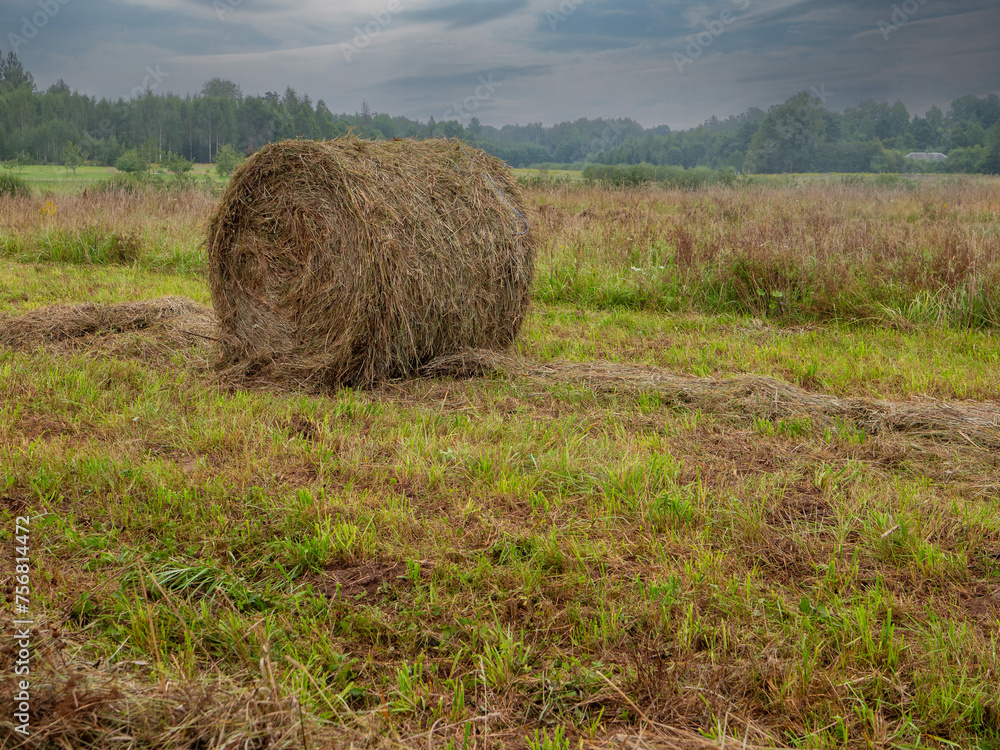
point(131, 162)
point(633, 175)
point(227, 160)
point(176, 164)
point(13, 186)
point(130, 183)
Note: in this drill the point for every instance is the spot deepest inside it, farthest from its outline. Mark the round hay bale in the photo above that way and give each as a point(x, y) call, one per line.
point(351, 262)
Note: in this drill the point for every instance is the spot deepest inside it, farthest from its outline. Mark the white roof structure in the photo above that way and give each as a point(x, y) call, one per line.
point(927, 156)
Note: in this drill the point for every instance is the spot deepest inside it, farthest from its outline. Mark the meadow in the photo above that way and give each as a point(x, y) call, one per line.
point(737, 489)
point(59, 180)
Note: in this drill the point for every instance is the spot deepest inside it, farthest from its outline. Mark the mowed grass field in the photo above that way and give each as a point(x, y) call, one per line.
point(741, 491)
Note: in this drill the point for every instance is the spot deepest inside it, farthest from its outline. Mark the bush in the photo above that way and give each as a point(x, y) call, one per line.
point(138, 183)
point(633, 175)
point(131, 162)
point(227, 160)
point(621, 175)
point(13, 186)
point(128, 183)
point(176, 164)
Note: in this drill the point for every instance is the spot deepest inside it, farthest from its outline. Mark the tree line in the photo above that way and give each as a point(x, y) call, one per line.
point(799, 135)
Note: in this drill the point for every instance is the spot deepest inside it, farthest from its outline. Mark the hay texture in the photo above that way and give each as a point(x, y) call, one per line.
point(963, 422)
point(59, 323)
point(352, 262)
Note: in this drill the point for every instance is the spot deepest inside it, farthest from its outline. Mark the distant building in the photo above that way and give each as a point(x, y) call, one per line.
point(927, 156)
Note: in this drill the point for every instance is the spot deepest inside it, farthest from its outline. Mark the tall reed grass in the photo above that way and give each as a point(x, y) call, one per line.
point(890, 253)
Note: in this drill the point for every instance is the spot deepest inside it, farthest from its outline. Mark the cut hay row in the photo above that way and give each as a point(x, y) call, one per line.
point(973, 423)
point(95, 708)
point(59, 323)
point(968, 422)
point(351, 262)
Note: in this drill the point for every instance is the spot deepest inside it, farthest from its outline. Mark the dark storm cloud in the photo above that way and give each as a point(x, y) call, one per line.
point(463, 15)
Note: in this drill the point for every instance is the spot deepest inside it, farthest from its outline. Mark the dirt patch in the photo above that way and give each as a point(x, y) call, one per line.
point(360, 580)
point(298, 473)
point(412, 488)
point(41, 426)
point(749, 453)
point(303, 427)
point(803, 502)
point(787, 557)
point(983, 602)
point(15, 503)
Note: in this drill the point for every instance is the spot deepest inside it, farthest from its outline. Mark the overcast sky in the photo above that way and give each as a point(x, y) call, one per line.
point(667, 62)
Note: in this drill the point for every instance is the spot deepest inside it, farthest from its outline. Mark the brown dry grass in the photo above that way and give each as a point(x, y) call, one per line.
point(929, 254)
point(173, 216)
point(63, 322)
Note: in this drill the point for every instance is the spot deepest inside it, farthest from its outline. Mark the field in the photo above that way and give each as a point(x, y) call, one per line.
point(55, 179)
point(565, 175)
point(739, 488)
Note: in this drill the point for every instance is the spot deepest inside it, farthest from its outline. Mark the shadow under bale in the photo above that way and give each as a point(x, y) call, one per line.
point(351, 262)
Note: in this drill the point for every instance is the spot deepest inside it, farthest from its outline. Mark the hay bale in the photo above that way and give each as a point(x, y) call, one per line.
point(351, 262)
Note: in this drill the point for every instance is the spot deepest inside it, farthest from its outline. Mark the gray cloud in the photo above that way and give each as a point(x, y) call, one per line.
point(464, 14)
point(558, 59)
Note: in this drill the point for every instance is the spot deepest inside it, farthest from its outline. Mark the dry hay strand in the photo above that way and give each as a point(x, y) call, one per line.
point(351, 262)
point(471, 363)
point(966, 422)
point(89, 708)
point(76, 703)
point(668, 738)
point(61, 323)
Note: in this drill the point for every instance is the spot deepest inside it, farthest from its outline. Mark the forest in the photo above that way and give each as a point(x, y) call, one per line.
point(800, 135)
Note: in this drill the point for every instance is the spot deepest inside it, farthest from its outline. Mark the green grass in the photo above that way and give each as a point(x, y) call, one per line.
point(499, 561)
point(56, 179)
point(551, 175)
point(100, 246)
point(13, 186)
